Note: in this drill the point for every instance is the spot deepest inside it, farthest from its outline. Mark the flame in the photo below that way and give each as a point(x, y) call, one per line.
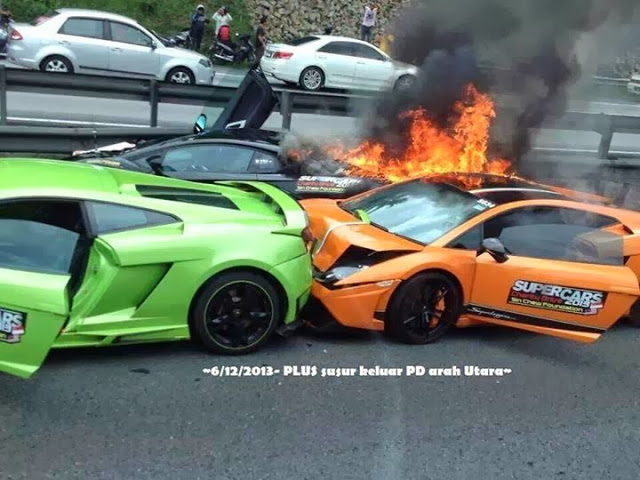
point(432, 150)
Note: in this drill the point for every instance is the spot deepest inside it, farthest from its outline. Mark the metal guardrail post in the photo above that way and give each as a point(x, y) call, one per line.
point(606, 130)
point(285, 110)
point(153, 100)
point(3, 95)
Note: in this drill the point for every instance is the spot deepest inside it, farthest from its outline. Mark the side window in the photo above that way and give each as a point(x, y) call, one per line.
point(265, 162)
point(83, 27)
point(471, 240)
point(109, 217)
point(363, 51)
point(41, 236)
point(184, 195)
point(208, 158)
point(557, 234)
point(338, 48)
point(127, 34)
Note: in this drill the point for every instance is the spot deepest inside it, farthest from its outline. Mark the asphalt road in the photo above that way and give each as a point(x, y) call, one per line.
point(565, 411)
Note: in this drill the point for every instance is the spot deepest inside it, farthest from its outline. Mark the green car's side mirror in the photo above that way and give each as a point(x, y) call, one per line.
point(201, 124)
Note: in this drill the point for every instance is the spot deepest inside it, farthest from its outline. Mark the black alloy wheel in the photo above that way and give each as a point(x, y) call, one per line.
point(237, 313)
point(424, 308)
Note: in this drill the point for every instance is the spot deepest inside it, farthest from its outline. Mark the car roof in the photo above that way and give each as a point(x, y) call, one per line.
point(94, 14)
point(269, 137)
point(336, 38)
point(499, 189)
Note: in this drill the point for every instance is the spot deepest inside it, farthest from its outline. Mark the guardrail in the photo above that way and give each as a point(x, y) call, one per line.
point(155, 92)
point(66, 140)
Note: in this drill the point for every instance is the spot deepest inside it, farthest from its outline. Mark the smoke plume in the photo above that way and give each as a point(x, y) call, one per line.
point(532, 44)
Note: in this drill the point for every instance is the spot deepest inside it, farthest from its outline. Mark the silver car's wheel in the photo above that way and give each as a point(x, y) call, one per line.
point(56, 64)
point(311, 79)
point(405, 83)
point(181, 76)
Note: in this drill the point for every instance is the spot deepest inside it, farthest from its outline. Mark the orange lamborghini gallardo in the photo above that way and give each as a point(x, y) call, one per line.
point(415, 258)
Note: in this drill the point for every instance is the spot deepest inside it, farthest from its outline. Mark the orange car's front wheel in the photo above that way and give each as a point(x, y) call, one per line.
point(424, 308)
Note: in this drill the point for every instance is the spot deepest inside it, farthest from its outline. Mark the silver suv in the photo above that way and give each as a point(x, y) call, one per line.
point(88, 41)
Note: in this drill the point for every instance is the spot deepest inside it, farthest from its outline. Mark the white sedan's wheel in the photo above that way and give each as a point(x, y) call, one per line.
point(405, 83)
point(181, 76)
point(311, 79)
point(56, 64)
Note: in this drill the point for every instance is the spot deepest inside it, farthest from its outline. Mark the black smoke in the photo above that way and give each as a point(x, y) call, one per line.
point(522, 49)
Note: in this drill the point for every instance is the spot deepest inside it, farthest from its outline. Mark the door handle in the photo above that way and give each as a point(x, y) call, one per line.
point(322, 56)
point(361, 63)
point(116, 49)
point(64, 42)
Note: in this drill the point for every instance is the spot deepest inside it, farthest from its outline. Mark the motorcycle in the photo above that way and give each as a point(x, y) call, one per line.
point(233, 52)
point(181, 39)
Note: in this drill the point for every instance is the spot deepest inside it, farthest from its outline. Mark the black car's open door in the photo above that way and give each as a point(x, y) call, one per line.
point(250, 107)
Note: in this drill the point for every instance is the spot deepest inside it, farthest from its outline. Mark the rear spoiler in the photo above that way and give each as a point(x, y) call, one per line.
point(295, 219)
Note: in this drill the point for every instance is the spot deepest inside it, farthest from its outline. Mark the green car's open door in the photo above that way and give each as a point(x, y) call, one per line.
point(33, 309)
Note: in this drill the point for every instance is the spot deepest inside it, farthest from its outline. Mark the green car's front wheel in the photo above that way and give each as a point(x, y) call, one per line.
point(236, 313)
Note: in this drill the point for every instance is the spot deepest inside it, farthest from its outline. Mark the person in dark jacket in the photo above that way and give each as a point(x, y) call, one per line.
point(261, 40)
point(198, 21)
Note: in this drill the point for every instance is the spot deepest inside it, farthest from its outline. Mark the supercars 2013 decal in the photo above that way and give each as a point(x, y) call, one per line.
point(12, 325)
point(325, 184)
point(556, 297)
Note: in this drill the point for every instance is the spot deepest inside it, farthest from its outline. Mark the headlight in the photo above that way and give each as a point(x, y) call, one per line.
point(337, 274)
point(206, 63)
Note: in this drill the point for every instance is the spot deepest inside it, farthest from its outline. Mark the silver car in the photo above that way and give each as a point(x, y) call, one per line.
point(89, 41)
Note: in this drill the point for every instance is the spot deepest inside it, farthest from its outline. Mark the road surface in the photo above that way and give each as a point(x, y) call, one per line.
point(567, 411)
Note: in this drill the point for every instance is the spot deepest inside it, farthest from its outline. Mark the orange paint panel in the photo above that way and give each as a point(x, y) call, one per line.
point(352, 307)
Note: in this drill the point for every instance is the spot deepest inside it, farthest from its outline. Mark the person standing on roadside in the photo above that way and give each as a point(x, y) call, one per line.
point(221, 18)
point(198, 21)
point(368, 22)
point(261, 40)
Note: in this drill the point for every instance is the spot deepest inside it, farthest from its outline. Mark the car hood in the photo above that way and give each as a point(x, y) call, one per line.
point(250, 107)
point(177, 52)
point(406, 67)
point(336, 230)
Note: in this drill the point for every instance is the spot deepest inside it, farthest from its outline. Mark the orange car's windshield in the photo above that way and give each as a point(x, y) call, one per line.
point(418, 210)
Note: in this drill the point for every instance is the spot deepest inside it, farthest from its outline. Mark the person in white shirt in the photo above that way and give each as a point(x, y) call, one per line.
point(221, 17)
point(368, 22)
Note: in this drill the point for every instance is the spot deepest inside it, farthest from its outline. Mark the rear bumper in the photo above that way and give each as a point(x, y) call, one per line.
point(279, 70)
point(361, 306)
point(295, 277)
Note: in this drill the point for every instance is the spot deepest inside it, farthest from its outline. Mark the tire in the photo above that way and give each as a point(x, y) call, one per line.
point(181, 75)
point(236, 313)
point(409, 318)
point(405, 83)
point(312, 79)
point(634, 315)
point(56, 64)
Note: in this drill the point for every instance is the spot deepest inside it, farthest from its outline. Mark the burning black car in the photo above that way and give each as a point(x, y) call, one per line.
point(235, 148)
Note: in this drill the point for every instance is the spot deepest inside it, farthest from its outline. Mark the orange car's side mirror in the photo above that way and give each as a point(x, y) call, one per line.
point(495, 248)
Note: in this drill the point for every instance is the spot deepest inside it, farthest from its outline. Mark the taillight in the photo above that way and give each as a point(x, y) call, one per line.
point(16, 35)
point(282, 55)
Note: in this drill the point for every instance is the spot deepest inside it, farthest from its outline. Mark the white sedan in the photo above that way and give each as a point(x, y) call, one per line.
point(321, 61)
point(88, 41)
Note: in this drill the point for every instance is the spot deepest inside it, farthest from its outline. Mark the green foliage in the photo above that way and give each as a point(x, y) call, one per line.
point(164, 16)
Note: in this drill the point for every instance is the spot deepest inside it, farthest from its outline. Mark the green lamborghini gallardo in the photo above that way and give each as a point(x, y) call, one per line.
point(92, 256)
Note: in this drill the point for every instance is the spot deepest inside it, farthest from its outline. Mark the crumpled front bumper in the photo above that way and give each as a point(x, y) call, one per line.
point(360, 306)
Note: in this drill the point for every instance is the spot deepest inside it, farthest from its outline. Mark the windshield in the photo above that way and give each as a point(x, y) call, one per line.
point(418, 210)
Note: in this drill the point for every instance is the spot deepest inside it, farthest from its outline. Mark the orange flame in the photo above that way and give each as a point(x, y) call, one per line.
point(432, 150)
